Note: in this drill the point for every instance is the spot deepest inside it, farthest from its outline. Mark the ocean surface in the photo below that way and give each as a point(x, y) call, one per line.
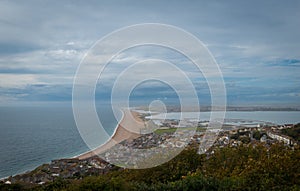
point(31, 136)
point(276, 117)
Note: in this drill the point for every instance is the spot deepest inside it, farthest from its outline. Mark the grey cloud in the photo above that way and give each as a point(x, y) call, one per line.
point(258, 39)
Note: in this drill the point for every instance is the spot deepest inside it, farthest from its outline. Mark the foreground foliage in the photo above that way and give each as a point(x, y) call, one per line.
point(245, 167)
point(293, 132)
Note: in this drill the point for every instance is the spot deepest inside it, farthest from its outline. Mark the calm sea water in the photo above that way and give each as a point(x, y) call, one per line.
point(277, 117)
point(31, 136)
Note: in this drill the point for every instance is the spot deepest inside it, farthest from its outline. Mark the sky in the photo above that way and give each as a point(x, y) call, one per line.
point(255, 43)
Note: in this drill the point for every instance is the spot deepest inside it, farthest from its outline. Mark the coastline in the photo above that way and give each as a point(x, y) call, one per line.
point(119, 129)
point(128, 129)
point(120, 133)
point(116, 129)
point(90, 163)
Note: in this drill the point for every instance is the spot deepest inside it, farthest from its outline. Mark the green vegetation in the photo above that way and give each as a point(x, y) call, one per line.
point(162, 131)
point(172, 130)
point(256, 135)
point(231, 168)
point(244, 139)
point(293, 132)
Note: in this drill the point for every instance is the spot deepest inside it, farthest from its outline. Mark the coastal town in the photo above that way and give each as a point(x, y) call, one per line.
point(167, 136)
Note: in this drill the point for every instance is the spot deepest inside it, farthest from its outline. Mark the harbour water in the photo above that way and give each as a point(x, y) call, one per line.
point(276, 117)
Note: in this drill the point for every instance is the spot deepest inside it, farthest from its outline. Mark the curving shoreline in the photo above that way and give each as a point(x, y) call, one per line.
point(128, 129)
point(121, 133)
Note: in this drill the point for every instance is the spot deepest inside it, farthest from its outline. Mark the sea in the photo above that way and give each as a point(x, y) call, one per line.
point(271, 117)
point(31, 136)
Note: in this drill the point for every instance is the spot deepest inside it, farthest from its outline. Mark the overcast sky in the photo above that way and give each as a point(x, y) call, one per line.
point(255, 43)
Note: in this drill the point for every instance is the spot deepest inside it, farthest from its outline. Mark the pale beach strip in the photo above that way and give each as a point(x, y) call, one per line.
point(129, 128)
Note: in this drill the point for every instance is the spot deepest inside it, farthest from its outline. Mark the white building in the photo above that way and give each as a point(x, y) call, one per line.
point(284, 139)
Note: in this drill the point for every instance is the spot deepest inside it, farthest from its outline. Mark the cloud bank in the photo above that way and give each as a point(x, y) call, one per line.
point(256, 45)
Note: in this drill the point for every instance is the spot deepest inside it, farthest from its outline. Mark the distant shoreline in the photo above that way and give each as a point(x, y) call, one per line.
point(174, 108)
point(177, 107)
